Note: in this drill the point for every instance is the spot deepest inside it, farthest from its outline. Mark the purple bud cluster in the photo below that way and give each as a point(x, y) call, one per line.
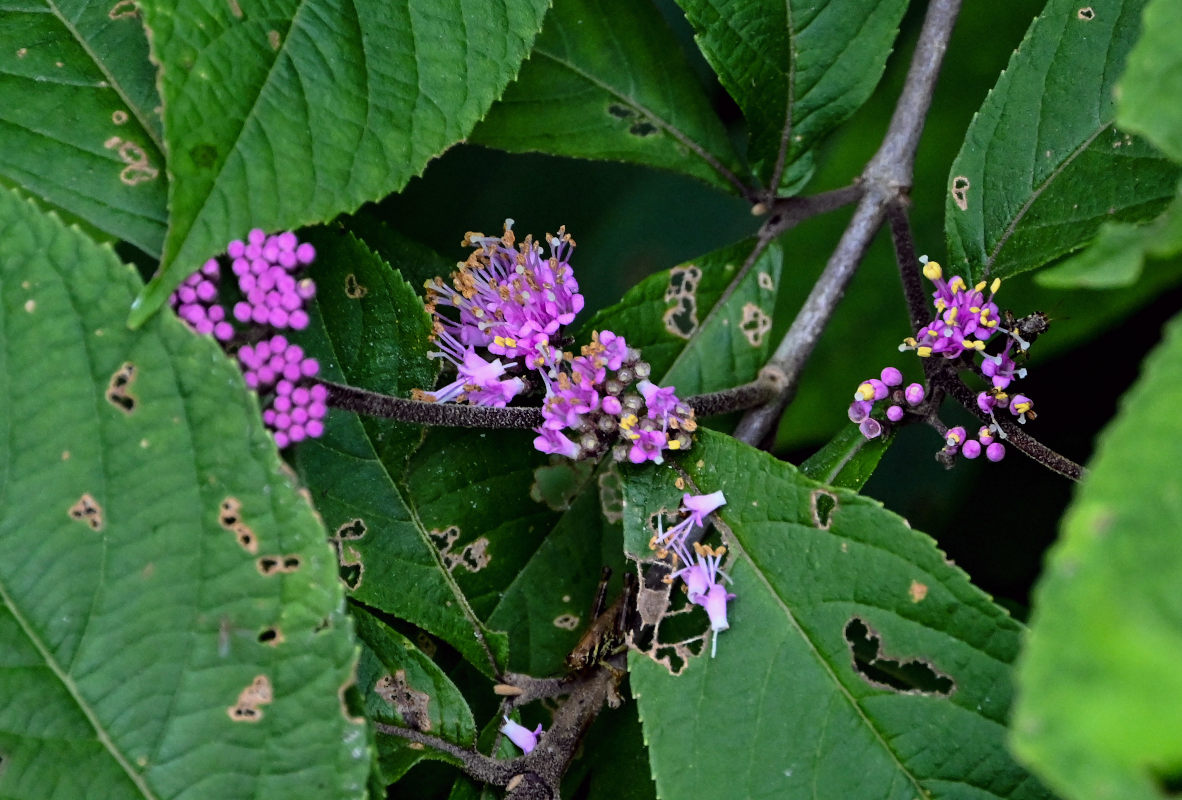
point(956, 440)
point(271, 295)
point(887, 387)
point(505, 338)
point(966, 318)
point(594, 404)
point(699, 570)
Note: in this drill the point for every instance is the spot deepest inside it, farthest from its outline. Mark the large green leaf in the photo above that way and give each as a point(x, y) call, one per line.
point(1145, 105)
point(370, 330)
point(1042, 165)
point(1098, 712)
point(797, 69)
point(1153, 81)
point(170, 618)
point(859, 661)
point(608, 80)
point(285, 112)
point(79, 126)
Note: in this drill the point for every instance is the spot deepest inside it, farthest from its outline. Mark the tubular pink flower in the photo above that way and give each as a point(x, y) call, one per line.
point(520, 735)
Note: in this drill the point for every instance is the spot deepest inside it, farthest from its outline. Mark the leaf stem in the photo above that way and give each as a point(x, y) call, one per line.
point(886, 179)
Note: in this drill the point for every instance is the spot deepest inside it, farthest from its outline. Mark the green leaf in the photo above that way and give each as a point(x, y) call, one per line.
point(170, 619)
point(79, 128)
point(1099, 678)
point(609, 81)
point(853, 642)
point(403, 686)
point(1119, 253)
point(695, 335)
point(280, 117)
point(848, 459)
point(797, 69)
point(370, 330)
point(1152, 83)
point(1042, 165)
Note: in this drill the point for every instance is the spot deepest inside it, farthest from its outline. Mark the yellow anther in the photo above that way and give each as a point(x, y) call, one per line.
point(995, 285)
point(1022, 408)
point(979, 286)
point(923, 352)
point(952, 316)
point(973, 344)
point(974, 309)
point(932, 271)
point(957, 284)
point(940, 304)
point(627, 421)
point(984, 314)
point(865, 392)
point(674, 444)
point(910, 341)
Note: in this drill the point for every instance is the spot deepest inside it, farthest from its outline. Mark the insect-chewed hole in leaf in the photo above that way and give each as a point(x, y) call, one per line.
point(1087, 13)
point(426, 644)
point(642, 129)
point(568, 622)
point(410, 704)
point(823, 505)
point(119, 388)
point(766, 282)
point(87, 510)
point(258, 693)
point(960, 192)
point(271, 636)
point(230, 518)
point(755, 324)
point(124, 8)
point(913, 676)
point(350, 567)
point(619, 111)
point(681, 319)
point(473, 556)
point(353, 288)
point(611, 494)
point(275, 565)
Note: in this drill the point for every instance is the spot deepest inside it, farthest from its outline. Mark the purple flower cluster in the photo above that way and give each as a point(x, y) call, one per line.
point(700, 570)
point(505, 338)
point(270, 295)
point(966, 318)
point(885, 387)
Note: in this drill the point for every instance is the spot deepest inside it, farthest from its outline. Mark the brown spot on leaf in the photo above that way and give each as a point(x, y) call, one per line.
point(119, 116)
point(426, 644)
point(258, 693)
point(410, 704)
point(21, 53)
point(119, 388)
point(960, 192)
point(1087, 14)
point(235, 9)
point(917, 591)
point(473, 556)
point(87, 510)
point(882, 671)
point(611, 494)
point(138, 168)
point(273, 39)
point(766, 282)
point(30, 305)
